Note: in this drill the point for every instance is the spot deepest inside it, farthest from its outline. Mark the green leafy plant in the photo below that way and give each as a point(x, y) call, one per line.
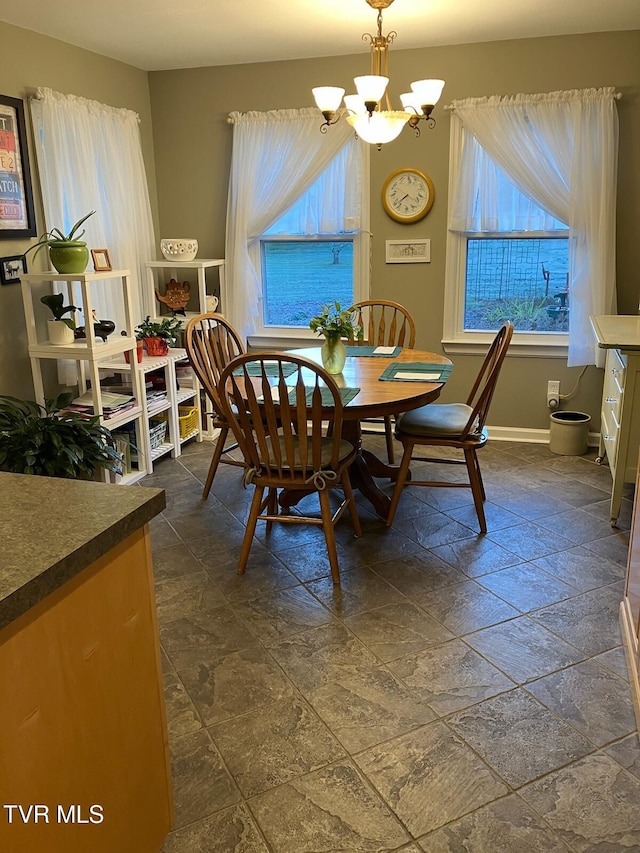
point(54, 302)
point(55, 237)
point(52, 442)
point(168, 328)
point(334, 321)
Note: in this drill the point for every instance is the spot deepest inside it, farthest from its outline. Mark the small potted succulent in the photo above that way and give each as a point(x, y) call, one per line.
point(67, 252)
point(335, 323)
point(158, 335)
point(61, 328)
point(51, 442)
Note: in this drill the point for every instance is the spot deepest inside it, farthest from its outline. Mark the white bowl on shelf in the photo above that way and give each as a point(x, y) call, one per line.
point(179, 248)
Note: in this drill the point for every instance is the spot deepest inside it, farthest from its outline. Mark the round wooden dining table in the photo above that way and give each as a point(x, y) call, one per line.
point(375, 399)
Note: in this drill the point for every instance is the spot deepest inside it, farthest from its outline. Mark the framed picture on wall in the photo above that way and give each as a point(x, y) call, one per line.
point(11, 269)
point(17, 217)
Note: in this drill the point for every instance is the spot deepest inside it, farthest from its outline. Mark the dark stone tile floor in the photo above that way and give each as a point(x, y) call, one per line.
point(458, 693)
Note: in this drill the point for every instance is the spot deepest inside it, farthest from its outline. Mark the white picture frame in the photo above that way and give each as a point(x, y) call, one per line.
point(408, 251)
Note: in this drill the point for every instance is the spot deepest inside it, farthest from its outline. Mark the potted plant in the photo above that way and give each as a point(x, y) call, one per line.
point(61, 328)
point(51, 442)
point(67, 252)
point(335, 323)
point(158, 335)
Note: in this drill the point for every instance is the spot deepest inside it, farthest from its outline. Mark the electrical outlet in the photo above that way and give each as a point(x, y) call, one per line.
point(553, 394)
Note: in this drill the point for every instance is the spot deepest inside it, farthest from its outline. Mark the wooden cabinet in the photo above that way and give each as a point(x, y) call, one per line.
point(630, 607)
point(620, 409)
point(82, 715)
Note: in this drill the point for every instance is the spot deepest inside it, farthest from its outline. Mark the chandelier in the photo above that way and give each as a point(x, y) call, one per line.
point(364, 111)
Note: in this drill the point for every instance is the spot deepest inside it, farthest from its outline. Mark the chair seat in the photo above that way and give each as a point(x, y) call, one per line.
point(438, 419)
point(345, 449)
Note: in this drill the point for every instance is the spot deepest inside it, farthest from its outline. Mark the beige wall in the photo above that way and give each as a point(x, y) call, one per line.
point(192, 143)
point(28, 61)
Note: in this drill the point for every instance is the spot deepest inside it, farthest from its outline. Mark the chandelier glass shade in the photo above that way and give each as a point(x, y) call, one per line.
point(369, 112)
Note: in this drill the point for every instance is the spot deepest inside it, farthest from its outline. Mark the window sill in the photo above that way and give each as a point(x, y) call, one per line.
point(284, 339)
point(519, 347)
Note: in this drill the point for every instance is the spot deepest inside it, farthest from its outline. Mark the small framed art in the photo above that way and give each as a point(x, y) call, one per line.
point(101, 260)
point(12, 268)
point(408, 251)
point(17, 217)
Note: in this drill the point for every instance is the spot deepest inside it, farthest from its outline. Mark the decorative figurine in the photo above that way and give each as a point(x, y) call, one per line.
point(176, 296)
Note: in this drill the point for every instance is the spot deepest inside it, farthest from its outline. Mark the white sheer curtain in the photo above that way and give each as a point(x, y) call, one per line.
point(90, 158)
point(277, 156)
point(560, 150)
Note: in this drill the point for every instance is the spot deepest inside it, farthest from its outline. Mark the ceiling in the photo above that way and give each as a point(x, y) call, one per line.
point(165, 34)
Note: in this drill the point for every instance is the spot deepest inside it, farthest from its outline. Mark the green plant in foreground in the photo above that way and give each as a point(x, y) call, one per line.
point(54, 302)
point(334, 321)
point(51, 442)
point(55, 237)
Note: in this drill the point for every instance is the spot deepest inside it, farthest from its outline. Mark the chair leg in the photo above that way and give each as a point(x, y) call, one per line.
point(476, 486)
point(388, 432)
point(251, 528)
point(329, 534)
point(217, 453)
point(400, 481)
point(353, 509)
point(272, 507)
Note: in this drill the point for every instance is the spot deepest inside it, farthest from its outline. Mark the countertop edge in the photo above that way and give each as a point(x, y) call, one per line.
point(17, 603)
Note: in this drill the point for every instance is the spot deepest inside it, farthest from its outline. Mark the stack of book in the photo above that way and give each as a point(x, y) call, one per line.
point(112, 404)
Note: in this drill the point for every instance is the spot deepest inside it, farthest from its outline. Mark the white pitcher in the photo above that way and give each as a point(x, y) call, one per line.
point(212, 303)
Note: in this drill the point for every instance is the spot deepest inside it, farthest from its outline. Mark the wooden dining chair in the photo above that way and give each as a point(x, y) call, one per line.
point(458, 425)
point(212, 342)
point(279, 407)
point(389, 324)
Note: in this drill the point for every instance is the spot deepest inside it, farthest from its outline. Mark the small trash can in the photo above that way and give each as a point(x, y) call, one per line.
point(569, 433)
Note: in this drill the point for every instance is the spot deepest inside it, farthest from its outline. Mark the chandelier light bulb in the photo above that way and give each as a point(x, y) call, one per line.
point(380, 127)
point(371, 87)
point(354, 104)
point(328, 98)
point(428, 91)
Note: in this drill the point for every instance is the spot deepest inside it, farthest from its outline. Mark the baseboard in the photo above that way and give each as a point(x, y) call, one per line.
point(500, 433)
point(496, 433)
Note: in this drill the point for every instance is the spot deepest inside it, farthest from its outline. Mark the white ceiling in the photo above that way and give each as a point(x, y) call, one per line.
point(164, 34)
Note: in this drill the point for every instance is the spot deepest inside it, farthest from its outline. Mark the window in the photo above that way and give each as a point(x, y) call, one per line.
point(532, 221)
point(517, 277)
point(507, 259)
point(301, 274)
point(311, 256)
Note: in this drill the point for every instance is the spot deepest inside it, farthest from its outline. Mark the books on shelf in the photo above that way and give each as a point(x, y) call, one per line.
point(112, 404)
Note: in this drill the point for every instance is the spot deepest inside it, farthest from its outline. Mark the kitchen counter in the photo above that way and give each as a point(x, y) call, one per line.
point(617, 331)
point(83, 730)
point(51, 529)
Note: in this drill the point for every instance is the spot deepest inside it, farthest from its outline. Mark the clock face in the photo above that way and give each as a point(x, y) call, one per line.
point(407, 195)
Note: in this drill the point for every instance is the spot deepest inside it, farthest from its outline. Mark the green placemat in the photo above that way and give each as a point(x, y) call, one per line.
point(416, 371)
point(271, 369)
point(370, 351)
point(347, 394)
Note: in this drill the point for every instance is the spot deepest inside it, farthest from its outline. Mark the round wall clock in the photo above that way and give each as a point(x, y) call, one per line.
point(407, 195)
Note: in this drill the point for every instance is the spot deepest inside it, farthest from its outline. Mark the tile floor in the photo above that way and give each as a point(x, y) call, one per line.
point(458, 693)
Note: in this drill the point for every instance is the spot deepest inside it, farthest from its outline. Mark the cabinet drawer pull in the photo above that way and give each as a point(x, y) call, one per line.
point(611, 399)
point(609, 437)
point(615, 371)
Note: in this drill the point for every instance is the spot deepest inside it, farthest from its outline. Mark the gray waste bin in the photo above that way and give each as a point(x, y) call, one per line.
point(569, 433)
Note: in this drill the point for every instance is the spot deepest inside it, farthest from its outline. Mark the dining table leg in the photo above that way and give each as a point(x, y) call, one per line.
point(363, 469)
